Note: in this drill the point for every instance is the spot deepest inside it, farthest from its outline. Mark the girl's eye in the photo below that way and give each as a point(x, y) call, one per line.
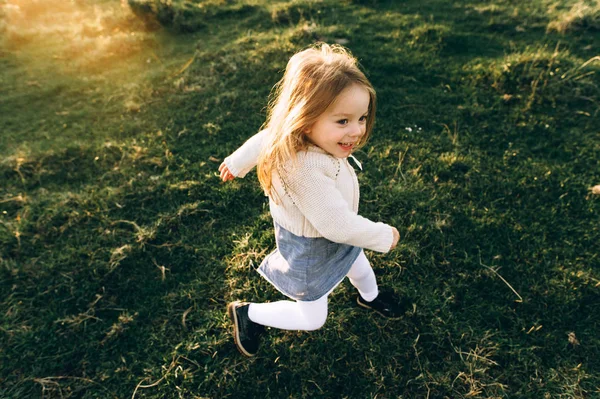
point(363, 118)
point(343, 121)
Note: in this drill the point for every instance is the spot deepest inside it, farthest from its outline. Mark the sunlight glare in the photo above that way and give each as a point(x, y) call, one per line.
point(75, 35)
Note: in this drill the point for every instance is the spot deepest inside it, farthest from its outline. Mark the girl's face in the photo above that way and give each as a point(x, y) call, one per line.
point(343, 123)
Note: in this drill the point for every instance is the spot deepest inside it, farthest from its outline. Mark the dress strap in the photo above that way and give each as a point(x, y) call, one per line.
point(356, 161)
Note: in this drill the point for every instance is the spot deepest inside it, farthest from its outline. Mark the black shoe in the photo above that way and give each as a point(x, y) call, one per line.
point(246, 333)
point(387, 304)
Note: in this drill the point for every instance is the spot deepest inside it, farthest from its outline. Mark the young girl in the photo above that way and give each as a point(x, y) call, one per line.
point(322, 110)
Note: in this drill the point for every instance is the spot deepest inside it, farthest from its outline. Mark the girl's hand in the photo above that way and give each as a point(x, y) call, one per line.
point(396, 238)
point(226, 175)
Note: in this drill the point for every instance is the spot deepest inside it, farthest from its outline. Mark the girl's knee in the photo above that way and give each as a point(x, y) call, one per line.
point(361, 268)
point(316, 321)
point(314, 313)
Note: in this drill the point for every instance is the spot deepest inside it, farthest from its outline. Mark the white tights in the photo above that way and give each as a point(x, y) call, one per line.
point(311, 315)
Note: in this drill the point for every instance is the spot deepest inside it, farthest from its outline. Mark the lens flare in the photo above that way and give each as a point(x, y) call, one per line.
point(74, 35)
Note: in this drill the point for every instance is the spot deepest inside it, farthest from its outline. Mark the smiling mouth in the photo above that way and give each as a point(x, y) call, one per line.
point(346, 145)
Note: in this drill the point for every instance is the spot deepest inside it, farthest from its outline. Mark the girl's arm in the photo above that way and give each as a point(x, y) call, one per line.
point(313, 189)
point(244, 158)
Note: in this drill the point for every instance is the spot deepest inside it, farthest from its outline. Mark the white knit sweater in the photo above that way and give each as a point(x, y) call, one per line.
point(318, 197)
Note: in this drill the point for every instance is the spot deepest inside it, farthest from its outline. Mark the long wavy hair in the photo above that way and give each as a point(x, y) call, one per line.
point(312, 81)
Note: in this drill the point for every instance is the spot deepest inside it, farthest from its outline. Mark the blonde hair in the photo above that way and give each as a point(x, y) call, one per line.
point(312, 81)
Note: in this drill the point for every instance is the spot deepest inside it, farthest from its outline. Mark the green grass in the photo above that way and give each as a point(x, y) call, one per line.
point(120, 247)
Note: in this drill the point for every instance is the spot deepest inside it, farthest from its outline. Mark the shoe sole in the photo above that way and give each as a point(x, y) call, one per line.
point(375, 310)
point(236, 337)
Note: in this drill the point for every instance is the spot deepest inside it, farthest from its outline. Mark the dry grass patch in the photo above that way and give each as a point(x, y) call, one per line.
point(581, 16)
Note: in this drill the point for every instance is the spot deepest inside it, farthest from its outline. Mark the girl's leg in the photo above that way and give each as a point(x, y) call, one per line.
point(386, 303)
point(361, 276)
point(289, 315)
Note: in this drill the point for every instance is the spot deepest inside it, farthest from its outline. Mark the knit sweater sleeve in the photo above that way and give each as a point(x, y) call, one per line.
point(242, 160)
point(312, 187)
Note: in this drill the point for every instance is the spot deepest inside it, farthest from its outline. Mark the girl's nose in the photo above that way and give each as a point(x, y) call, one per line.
point(357, 130)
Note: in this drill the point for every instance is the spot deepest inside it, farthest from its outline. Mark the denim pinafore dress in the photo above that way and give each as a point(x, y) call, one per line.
point(307, 268)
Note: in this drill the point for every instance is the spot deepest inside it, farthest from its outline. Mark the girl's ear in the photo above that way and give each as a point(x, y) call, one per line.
point(307, 130)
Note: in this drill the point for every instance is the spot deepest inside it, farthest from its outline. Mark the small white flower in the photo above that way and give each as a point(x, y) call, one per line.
point(409, 129)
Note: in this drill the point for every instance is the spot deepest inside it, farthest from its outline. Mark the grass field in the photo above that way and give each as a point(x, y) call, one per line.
point(120, 247)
